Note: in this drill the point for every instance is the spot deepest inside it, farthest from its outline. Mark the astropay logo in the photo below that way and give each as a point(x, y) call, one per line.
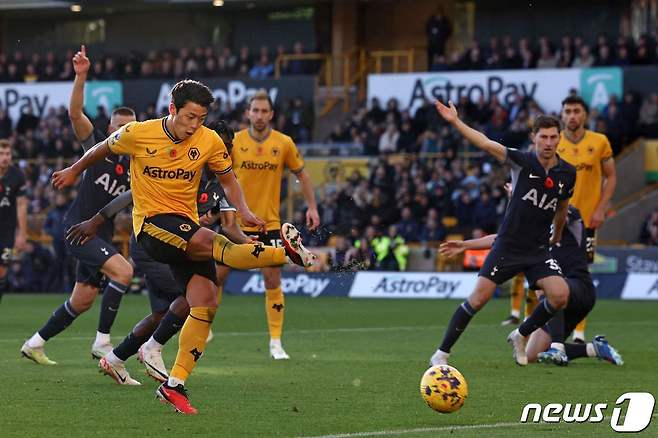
point(639, 412)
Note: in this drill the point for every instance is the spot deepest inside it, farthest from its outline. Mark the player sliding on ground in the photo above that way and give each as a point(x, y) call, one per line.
point(547, 345)
point(542, 184)
point(167, 158)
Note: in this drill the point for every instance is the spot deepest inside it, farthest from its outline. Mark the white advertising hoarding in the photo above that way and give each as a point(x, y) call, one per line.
point(413, 284)
point(546, 86)
point(640, 286)
point(39, 97)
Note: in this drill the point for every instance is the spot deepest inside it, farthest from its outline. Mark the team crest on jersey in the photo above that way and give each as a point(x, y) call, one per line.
point(590, 149)
point(275, 151)
point(193, 154)
point(185, 227)
point(560, 184)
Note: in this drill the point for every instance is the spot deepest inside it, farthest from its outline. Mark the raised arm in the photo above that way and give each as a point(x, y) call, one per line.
point(481, 141)
point(82, 126)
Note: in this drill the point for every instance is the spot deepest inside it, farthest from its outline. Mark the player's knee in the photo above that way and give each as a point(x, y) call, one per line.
point(479, 298)
point(155, 318)
point(180, 307)
point(119, 270)
point(83, 300)
point(559, 300)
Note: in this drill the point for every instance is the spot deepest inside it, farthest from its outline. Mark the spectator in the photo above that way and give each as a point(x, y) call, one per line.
point(649, 232)
point(389, 140)
point(298, 66)
point(584, 58)
point(408, 227)
point(438, 31)
point(263, 69)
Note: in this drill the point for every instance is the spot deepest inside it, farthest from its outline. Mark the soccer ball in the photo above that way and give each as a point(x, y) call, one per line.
point(443, 388)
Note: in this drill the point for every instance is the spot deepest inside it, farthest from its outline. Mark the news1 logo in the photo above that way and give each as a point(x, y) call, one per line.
point(639, 412)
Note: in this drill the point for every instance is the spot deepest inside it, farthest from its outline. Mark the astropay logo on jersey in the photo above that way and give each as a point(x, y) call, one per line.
point(637, 417)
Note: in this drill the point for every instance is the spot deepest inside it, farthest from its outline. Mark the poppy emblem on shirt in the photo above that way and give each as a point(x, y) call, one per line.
point(203, 198)
point(548, 183)
point(2, 188)
point(590, 149)
point(172, 153)
point(118, 169)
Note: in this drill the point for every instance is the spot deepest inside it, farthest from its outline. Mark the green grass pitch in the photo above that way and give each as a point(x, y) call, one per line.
point(355, 371)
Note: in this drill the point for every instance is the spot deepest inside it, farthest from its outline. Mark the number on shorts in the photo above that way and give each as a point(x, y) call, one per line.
point(6, 254)
point(277, 243)
point(554, 265)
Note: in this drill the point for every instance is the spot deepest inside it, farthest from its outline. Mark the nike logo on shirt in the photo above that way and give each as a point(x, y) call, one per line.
point(534, 176)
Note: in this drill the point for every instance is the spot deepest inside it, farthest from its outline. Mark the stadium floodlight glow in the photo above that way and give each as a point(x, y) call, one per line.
point(76, 8)
point(218, 2)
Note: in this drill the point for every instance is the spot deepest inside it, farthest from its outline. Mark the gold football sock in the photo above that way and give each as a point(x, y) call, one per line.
point(531, 302)
point(579, 331)
point(274, 306)
point(192, 340)
point(246, 255)
point(516, 297)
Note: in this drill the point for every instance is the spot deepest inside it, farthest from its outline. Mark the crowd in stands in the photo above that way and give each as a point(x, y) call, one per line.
point(378, 129)
point(166, 64)
point(505, 53)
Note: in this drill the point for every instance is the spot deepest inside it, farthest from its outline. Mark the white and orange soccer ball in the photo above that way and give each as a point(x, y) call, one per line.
point(443, 388)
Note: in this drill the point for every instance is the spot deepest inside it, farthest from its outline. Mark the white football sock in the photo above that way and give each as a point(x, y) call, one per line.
point(102, 338)
point(36, 341)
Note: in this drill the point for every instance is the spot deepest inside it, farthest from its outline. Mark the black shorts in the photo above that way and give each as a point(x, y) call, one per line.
point(164, 237)
point(582, 297)
point(502, 264)
point(162, 287)
point(6, 248)
point(269, 238)
point(90, 259)
point(590, 235)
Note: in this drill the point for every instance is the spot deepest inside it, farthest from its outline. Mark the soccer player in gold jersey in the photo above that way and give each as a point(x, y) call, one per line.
point(167, 157)
point(591, 154)
point(260, 155)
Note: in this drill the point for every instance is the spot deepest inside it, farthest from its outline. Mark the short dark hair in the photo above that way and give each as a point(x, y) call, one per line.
point(189, 90)
point(123, 111)
point(261, 95)
point(5, 144)
point(225, 132)
point(544, 121)
point(575, 100)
